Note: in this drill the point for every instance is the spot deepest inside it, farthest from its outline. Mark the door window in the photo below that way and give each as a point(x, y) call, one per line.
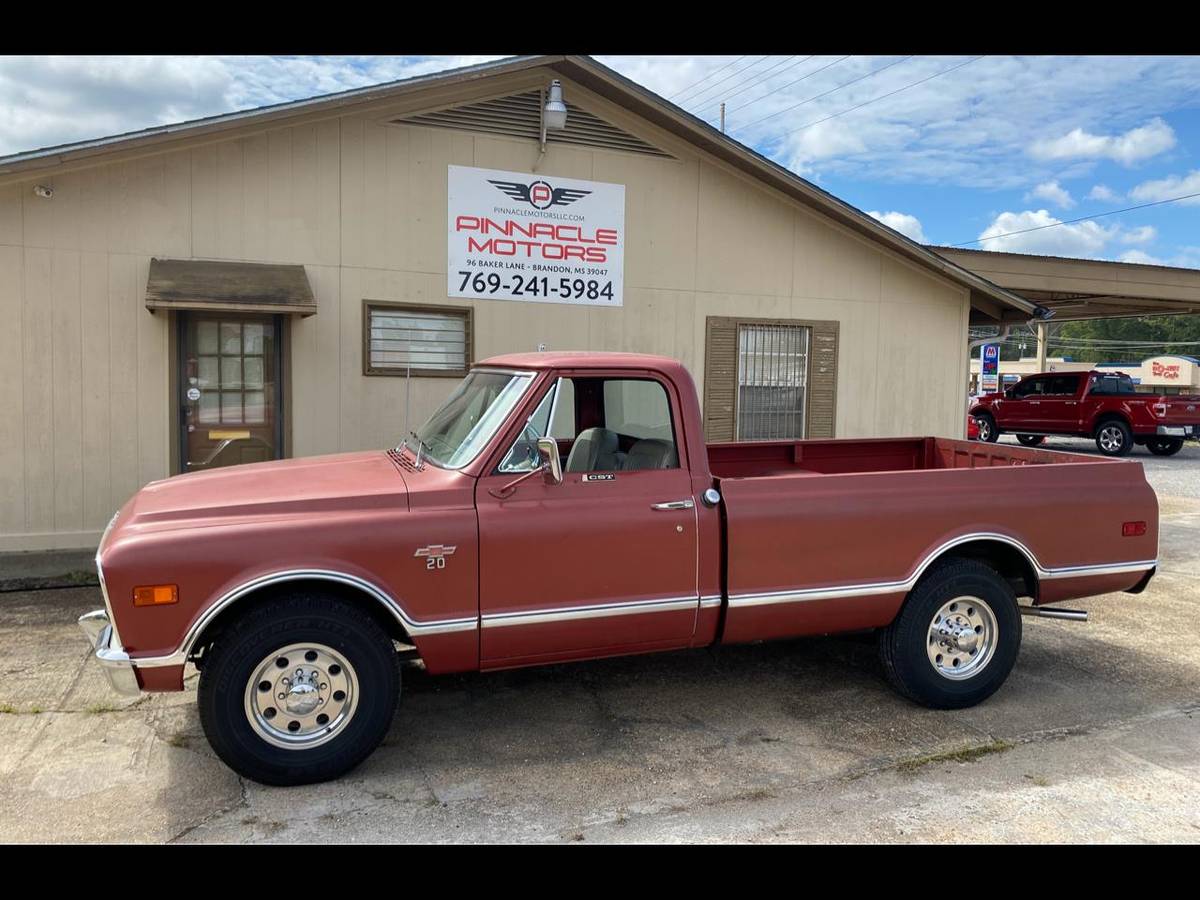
point(1062, 386)
point(1034, 387)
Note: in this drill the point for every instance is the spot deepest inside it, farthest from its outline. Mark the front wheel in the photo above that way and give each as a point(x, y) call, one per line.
point(987, 428)
point(956, 638)
point(1113, 438)
point(1164, 446)
point(1031, 440)
point(299, 690)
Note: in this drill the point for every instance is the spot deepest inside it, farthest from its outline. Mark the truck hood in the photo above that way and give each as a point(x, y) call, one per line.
point(343, 481)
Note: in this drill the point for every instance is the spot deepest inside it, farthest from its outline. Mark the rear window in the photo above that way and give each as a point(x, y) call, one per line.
point(1108, 385)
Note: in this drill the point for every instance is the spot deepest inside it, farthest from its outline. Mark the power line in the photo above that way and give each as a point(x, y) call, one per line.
point(826, 93)
point(762, 78)
point(751, 79)
point(1113, 212)
point(790, 83)
point(722, 81)
point(706, 77)
point(881, 97)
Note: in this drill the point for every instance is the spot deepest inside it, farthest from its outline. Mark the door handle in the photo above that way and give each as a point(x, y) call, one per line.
point(1035, 402)
point(674, 504)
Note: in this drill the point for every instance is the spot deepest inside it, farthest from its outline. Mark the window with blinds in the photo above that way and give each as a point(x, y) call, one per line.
point(769, 379)
point(402, 338)
point(772, 382)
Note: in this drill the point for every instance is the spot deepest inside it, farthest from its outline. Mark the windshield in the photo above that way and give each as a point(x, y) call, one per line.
point(462, 426)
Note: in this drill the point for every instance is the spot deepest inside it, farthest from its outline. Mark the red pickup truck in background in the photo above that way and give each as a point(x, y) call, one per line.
point(564, 506)
point(1100, 405)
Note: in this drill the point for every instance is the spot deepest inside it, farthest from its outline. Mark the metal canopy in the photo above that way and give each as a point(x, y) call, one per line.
point(1086, 288)
point(229, 286)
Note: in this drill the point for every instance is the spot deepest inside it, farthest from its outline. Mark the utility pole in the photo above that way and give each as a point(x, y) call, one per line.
point(722, 118)
point(1041, 351)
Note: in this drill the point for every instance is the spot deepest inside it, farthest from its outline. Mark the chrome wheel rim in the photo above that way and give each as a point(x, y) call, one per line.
point(985, 428)
point(962, 638)
point(1111, 438)
point(301, 696)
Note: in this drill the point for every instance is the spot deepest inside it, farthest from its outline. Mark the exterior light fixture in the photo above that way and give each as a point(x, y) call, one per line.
point(554, 116)
point(42, 191)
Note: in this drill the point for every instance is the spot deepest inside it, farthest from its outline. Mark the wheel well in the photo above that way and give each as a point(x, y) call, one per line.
point(1111, 417)
point(253, 600)
point(1006, 560)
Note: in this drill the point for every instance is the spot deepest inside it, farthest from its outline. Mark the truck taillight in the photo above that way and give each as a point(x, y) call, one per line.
point(1133, 529)
point(1160, 410)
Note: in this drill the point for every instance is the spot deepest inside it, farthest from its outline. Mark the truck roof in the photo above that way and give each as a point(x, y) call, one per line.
point(583, 359)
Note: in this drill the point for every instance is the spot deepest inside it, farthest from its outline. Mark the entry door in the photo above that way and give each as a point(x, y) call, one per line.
point(604, 562)
point(1024, 408)
point(231, 390)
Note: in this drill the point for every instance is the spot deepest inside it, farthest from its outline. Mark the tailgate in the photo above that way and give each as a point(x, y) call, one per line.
point(1178, 411)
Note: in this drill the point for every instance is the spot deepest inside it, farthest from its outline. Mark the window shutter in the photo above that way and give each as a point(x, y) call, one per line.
point(822, 380)
point(720, 378)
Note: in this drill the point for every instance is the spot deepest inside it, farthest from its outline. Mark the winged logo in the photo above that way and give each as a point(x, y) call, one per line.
point(539, 194)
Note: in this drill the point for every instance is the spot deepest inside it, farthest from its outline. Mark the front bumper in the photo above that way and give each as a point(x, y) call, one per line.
point(114, 661)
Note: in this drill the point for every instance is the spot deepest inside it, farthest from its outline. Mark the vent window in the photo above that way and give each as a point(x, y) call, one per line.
point(519, 115)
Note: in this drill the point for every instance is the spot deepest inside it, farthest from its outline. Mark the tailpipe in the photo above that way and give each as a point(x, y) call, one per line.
point(1046, 612)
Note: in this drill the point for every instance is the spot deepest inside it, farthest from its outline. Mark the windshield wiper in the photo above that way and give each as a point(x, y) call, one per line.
point(420, 444)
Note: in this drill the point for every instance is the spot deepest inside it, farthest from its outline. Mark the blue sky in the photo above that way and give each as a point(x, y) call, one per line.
point(947, 149)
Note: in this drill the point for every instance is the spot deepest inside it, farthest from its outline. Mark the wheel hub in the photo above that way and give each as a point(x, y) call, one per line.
point(962, 638)
point(301, 696)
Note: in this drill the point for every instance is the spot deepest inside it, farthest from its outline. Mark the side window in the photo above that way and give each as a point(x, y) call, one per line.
point(1034, 387)
point(639, 413)
point(522, 456)
point(1063, 385)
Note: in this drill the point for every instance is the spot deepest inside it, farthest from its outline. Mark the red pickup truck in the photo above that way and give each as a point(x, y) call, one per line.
point(564, 506)
point(1100, 405)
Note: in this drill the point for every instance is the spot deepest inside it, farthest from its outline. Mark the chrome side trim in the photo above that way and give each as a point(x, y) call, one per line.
point(709, 602)
point(602, 610)
point(413, 627)
point(903, 587)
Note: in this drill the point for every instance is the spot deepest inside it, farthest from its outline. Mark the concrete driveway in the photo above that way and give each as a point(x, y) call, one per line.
point(1095, 737)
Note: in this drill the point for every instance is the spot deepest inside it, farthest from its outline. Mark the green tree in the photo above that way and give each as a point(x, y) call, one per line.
point(1160, 329)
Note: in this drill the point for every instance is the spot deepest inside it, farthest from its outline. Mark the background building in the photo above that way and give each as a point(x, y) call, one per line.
point(257, 285)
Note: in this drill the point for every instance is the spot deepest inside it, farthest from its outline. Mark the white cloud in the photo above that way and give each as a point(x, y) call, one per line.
point(1143, 235)
point(1134, 145)
point(1086, 239)
point(1052, 192)
point(1102, 192)
point(909, 226)
point(1139, 256)
point(1169, 187)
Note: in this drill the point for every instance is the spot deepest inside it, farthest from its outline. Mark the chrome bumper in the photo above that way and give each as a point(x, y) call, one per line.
point(114, 661)
point(1172, 430)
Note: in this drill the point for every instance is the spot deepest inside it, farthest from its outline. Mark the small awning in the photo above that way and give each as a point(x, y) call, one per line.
point(229, 286)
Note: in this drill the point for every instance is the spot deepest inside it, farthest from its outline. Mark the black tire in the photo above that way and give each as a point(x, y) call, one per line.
point(1164, 446)
point(323, 620)
point(1113, 438)
point(987, 428)
point(904, 645)
point(1031, 440)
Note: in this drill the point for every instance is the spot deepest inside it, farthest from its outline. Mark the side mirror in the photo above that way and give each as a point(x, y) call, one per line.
point(551, 464)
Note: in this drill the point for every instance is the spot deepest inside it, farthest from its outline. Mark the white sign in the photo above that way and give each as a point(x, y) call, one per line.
point(516, 236)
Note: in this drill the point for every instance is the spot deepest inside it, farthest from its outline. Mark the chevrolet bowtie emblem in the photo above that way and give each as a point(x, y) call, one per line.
point(435, 555)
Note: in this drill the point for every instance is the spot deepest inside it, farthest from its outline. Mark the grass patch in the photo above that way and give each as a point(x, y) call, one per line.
point(7, 709)
point(962, 755)
point(97, 708)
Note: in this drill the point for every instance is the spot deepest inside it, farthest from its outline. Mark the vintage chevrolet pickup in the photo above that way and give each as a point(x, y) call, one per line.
point(564, 506)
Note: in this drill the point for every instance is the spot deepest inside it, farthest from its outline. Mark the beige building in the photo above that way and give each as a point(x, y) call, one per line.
point(258, 285)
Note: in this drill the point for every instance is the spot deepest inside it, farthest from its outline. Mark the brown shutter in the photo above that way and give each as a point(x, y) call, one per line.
point(822, 380)
point(720, 378)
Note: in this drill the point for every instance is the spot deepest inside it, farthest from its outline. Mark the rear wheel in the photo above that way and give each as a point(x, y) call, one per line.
point(299, 690)
point(1113, 438)
point(1031, 440)
point(956, 638)
point(1164, 446)
point(987, 428)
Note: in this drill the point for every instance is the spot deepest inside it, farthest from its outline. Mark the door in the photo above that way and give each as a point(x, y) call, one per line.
point(1059, 408)
point(230, 408)
point(606, 561)
point(1023, 408)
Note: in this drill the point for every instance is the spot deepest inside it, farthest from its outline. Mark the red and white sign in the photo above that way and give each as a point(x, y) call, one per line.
point(540, 238)
point(1159, 370)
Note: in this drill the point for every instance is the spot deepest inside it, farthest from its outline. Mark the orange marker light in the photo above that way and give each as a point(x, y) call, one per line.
point(155, 595)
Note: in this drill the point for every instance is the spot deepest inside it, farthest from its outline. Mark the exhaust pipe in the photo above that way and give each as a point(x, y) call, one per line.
point(1045, 612)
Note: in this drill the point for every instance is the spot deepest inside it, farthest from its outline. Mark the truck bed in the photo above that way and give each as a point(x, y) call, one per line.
point(759, 459)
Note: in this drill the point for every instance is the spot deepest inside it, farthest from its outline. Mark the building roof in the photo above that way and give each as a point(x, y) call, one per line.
point(1086, 288)
point(988, 299)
